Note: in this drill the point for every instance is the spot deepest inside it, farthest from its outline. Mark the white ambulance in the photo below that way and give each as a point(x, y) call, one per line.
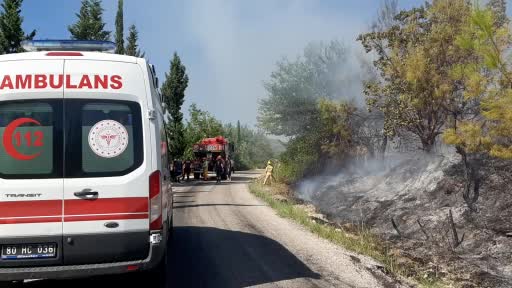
point(84, 178)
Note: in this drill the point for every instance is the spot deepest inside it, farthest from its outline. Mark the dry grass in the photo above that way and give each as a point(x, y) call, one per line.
point(356, 238)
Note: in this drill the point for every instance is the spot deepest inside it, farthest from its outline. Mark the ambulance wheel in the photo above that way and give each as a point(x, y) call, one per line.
point(159, 272)
point(170, 230)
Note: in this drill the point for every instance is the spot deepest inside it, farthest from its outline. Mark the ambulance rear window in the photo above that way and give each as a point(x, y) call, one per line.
point(103, 138)
point(29, 132)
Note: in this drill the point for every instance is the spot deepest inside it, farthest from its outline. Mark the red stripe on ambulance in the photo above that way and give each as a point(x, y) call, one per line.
point(31, 208)
point(50, 211)
point(105, 217)
point(106, 206)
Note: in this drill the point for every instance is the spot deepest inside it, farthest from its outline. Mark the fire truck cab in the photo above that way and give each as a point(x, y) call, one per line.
point(84, 177)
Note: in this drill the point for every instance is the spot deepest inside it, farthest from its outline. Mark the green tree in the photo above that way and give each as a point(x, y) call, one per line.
point(10, 26)
point(490, 81)
point(132, 48)
point(90, 25)
point(296, 86)
point(487, 81)
point(416, 89)
point(173, 91)
point(238, 132)
point(300, 105)
point(201, 124)
point(119, 28)
point(336, 129)
point(386, 18)
point(253, 149)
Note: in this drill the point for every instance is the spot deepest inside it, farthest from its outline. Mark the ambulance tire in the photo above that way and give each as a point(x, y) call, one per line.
point(170, 234)
point(159, 272)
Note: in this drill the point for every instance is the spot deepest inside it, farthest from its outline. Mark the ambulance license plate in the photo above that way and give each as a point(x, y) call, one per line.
point(29, 251)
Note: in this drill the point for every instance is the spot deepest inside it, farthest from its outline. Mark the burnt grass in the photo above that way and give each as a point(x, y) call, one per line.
point(482, 254)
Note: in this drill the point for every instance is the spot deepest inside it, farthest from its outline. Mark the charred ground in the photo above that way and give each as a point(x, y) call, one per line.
point(433, 225)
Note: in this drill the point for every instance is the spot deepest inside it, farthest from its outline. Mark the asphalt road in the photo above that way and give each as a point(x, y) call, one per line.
point(224, 237)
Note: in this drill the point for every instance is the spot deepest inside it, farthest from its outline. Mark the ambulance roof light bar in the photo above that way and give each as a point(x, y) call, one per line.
point(69, 45)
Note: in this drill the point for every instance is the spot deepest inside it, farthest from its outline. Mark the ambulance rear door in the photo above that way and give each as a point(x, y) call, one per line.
point(31, 162)
point(108, 168)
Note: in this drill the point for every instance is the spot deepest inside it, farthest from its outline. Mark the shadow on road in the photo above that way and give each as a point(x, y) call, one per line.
point(208, 257)
point(212, 257)
point(242, 177)
point(212, 204)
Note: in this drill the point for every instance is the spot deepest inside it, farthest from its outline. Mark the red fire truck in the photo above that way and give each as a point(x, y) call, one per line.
point(210, 149)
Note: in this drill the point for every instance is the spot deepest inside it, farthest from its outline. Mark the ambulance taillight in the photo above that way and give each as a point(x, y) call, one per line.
point(155, 203)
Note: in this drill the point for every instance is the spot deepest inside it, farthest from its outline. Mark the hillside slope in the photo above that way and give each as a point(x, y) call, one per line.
point(421, 190)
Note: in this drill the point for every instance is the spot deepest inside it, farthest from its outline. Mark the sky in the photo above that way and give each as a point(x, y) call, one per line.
point(229, 47)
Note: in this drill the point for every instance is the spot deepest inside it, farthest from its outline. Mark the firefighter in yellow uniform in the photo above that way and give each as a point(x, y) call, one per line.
point(268, 173)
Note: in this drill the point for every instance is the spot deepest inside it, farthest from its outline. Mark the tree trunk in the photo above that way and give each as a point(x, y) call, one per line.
point(472, 178)
point(427, 147)
point(383, 146)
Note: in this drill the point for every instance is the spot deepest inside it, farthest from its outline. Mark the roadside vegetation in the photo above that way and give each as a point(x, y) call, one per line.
point(356, 238)
point(434, 76)
point(440, 69)
point(252, 147)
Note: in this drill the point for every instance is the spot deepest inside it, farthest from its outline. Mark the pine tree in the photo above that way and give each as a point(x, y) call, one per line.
point(10, 26)
point(238, 133)
point(173, 91)
point(3, 43)
point(132, 48)
point(499, 8)
point(119, 28)
point(90, 25)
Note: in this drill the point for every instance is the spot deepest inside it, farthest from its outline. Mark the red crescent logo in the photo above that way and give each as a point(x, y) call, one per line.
point(8, 133)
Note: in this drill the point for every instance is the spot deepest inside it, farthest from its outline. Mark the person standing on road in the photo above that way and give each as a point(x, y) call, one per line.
point(178, 170)
point(187, 169)
point(219, 168)
point(268, 173)
point(228, 168)
point(173, 175)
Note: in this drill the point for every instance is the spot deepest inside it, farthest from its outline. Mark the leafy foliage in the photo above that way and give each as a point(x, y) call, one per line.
point(11, 32)
point(296, 86)
point(336, 128)
point(173, 91)
point(415, 57)
point(490, 80)
point(290, 109)
point(302, 157)
point(90, 25)
point(303, 104)
point(201, 124)
point(252, 148)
